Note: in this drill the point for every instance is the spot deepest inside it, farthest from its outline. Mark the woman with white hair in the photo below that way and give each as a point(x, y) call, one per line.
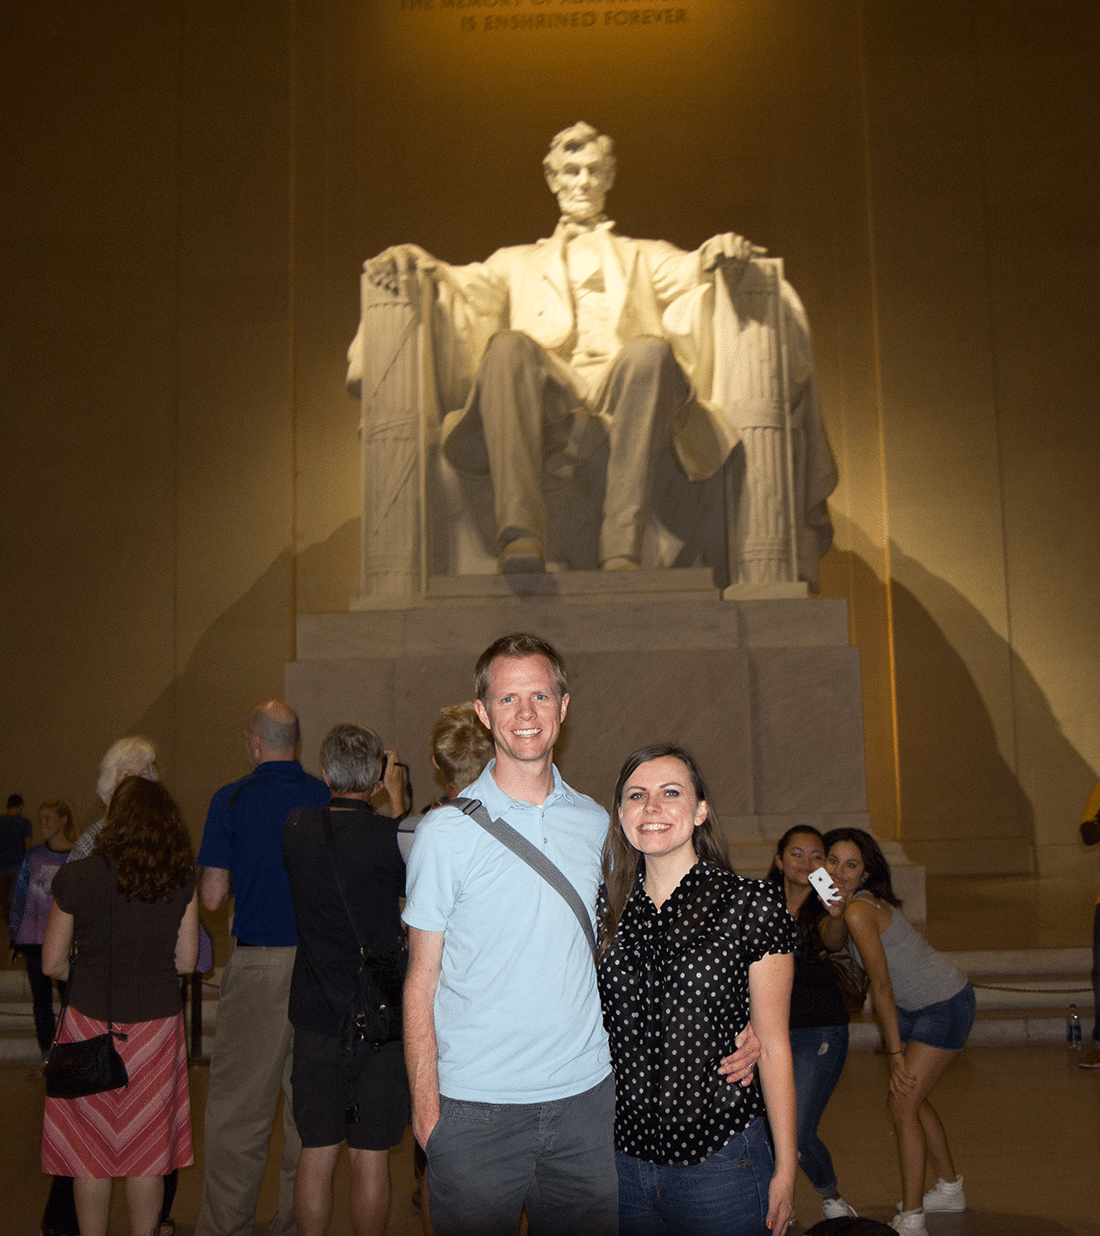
point(133, 756)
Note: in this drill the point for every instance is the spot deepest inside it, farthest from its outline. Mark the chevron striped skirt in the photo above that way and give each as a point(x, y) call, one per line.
point(143, 1129)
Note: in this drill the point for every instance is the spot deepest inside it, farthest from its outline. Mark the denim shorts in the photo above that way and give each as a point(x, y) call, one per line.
point(945, 1024)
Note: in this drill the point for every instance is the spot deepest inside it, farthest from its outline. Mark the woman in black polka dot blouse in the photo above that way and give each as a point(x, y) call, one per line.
point(689, 952)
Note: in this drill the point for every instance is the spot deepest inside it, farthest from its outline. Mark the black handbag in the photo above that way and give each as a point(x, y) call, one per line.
point(374, 1016)
point(90, 1066)
point(849, 977)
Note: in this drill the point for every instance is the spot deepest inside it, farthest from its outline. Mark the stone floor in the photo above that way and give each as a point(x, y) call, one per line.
point(1024, 1124)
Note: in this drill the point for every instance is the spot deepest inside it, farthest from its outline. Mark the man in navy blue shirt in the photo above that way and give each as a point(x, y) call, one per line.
point(241, 853)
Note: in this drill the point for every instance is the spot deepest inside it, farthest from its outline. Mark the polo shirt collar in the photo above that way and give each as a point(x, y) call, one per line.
point(486, 789)
point(277, 766)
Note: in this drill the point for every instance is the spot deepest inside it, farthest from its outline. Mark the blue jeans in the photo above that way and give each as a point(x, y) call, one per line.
point(818, 1054)
point(486, 1160)
point(725, 1195)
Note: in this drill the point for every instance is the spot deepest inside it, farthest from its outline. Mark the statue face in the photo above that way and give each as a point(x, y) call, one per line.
point(580, 182)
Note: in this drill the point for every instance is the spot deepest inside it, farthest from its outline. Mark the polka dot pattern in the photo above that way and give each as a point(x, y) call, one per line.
point(674, 986)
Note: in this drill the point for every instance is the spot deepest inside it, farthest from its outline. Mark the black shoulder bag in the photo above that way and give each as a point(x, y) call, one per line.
point(89, 1066)
point(374, 1015)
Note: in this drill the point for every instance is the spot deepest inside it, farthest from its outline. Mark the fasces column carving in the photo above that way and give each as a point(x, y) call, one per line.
point(391, 444)
point(760, 495)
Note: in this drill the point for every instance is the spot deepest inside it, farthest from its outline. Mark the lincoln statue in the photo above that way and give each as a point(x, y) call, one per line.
point(546, 353)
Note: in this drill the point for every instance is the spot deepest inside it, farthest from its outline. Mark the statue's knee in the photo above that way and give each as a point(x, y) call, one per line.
point(649, 352)
point(508, 346)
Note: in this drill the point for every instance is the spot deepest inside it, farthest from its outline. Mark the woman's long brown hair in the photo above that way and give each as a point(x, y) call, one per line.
point(621, 861)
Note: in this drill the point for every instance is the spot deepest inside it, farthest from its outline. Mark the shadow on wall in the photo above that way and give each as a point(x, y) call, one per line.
point(964, 808)
point(197, 722)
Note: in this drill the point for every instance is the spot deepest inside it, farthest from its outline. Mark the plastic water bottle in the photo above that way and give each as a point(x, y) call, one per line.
point(1073, 1029)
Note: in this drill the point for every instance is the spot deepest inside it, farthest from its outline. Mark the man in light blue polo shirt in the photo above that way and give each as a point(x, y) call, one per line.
point(513, 1099)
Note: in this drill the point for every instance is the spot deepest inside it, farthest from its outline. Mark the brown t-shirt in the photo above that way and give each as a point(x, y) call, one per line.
point(144, 984)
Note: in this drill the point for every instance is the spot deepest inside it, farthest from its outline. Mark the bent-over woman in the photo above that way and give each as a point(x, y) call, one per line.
point(924, 1005)
point(819, 1015)
point(688, 952)
point(142, 862)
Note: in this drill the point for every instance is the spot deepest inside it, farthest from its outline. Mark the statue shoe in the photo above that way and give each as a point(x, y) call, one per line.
point(620, 563)
point(523, 556)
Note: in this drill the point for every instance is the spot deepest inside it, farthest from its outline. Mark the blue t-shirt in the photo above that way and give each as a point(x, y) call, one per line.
point(244, 836)
point(517, 1013)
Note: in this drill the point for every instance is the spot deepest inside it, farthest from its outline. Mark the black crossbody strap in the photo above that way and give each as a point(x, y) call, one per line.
point(327, 824)
point(533, 857)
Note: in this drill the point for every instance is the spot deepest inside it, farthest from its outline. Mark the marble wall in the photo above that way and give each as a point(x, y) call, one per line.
point(766, 694)
point(192, 188)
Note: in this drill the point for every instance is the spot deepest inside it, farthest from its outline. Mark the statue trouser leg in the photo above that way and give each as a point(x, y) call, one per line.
point(642, 392)
point(514, 387)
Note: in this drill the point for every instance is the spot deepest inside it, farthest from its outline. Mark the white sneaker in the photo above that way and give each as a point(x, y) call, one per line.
point(944, 1196)
point(911, 1221)
point(837, 1208)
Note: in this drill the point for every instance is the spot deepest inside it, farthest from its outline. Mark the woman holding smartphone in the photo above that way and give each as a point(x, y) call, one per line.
point(819, 1015)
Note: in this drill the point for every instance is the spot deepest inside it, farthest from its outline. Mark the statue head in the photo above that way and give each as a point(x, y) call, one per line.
point(580, 169)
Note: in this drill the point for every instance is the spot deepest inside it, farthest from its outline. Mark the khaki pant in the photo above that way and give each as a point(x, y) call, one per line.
point(250, 1063)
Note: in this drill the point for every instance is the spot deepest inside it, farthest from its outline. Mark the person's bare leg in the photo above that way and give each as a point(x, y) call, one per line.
point(426, 1207)
point(935, 1143)
point(93, 1204)
point(313, 1189)
point(144, 1195)
point(927, 1065)
point(370, 1191)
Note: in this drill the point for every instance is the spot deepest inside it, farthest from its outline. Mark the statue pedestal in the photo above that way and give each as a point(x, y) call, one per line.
point(764, 691)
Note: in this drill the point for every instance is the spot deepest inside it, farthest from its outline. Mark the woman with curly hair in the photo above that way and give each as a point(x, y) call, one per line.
point(924, 1005)
point(143, 863)
point(688, 952)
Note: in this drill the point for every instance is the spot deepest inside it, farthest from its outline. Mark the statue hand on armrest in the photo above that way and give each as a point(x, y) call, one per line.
point(394, 267)
point(728, 249)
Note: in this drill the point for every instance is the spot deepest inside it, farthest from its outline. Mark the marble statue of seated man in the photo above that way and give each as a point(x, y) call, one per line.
point(545, 352)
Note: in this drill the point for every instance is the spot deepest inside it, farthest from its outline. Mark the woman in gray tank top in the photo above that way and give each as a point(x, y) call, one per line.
point(924, 1005)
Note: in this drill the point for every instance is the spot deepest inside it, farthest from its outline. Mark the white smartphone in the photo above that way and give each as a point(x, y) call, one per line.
point(823, 882)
